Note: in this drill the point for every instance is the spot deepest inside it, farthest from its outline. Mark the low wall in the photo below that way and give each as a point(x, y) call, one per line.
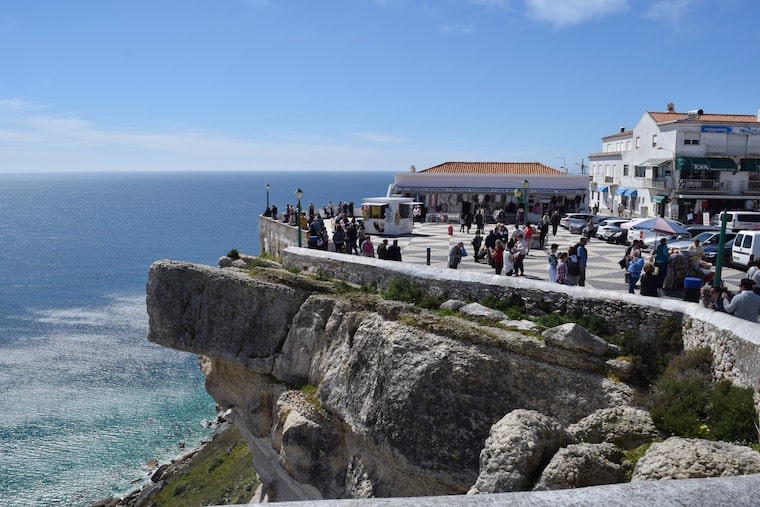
point(735, 343)
point(275, 236)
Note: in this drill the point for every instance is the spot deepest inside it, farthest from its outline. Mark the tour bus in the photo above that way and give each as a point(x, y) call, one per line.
point(739, 220)
point(390, 216)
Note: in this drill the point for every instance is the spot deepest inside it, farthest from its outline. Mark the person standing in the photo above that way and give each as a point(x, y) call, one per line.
point(661, 256)
point(543, 230)
point(455, 255)
point(476, 242)
point(497, 256)
point(551, 263)
point(382, 250)
point(368, 249)
point(562, 268)
point(649, 282)
point(635, 266)
point(520, 251)
point(479, 221)
point(394, 251)
point(745, 304)
point(582, 254)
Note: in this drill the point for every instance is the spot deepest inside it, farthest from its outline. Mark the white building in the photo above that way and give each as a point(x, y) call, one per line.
point(672, 164)
point(450, 189)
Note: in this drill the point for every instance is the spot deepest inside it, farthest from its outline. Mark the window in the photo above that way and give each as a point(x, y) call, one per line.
point(625, 170)
point(628, 145)
point(641, 171)
point(638, 142)
point(691, 141)
point(654, 140)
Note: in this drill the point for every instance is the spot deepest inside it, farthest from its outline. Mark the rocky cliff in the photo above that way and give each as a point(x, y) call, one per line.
point(342, 394)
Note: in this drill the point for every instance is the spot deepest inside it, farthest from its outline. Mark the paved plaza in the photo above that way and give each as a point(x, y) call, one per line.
point(603, 271)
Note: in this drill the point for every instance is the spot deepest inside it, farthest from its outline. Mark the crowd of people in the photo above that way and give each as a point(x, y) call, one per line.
point(505, 249)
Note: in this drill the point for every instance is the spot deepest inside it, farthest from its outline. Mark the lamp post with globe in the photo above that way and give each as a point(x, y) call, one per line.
point(299, 194)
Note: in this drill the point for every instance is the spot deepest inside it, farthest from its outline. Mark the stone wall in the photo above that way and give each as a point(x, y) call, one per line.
point(735, 343)
point(275, 236)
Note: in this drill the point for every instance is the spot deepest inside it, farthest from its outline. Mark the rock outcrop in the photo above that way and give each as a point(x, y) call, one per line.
point(343, 394)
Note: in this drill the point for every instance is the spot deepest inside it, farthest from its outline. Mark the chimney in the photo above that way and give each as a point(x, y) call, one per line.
point(412, 169)
point(671, 107)
point(622, 129)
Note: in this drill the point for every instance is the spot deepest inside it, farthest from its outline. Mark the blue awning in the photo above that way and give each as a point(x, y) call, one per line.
point(602, 188)
point(621, 191)
point(631, 192)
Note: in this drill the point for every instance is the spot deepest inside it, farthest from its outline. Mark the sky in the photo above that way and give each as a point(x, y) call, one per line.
point(355, 85)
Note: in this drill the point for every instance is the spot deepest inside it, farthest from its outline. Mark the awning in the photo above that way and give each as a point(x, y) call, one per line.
point(631, 192)
point(659, 198)
point(653, 162)
point(602, 188)
point(750, 164)
point(620, 191)
point(705, 164)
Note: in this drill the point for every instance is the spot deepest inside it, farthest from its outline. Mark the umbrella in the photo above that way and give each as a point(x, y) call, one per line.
point(657, 224)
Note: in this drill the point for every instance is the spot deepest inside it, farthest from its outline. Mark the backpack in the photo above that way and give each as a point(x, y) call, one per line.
point(573, 267)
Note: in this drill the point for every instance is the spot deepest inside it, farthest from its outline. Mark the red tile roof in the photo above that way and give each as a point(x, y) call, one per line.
point(491, 168)
point(713, 118)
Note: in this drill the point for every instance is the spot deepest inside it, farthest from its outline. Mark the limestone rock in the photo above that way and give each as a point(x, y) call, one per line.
point(692, 458)
point(479, 311)
point(626, 427)
point(452, 304)
point(571, 336)
point(582, 465)
point(516, 450)
point(522, 324)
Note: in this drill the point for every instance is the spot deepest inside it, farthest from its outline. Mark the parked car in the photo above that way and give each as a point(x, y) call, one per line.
point(609, 230)
point(698, 229)
point(738, 220)
point(709, 242)
point(711, 255)
point(574, 218)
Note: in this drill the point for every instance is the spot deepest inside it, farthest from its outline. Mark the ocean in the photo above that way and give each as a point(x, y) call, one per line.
point(85, 400)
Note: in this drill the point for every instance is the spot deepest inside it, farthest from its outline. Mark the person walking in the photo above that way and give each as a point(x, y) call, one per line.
point(476, 242)
point(543, 230)
point(555, 222)
point(394, 252)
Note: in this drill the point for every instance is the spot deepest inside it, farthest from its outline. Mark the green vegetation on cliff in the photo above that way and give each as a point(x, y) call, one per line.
point(221, 473)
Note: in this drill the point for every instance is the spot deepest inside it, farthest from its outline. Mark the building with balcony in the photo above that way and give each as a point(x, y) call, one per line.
point(675, 164)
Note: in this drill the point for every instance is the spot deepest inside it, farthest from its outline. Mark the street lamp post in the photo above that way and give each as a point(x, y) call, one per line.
point(299, 194)
point(525, 201)
point(518, 196)
point(267, 195)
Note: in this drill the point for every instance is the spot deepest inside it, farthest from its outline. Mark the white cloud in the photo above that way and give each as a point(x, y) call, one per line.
point(668, 10)
point(32, 141)
point(561, 13)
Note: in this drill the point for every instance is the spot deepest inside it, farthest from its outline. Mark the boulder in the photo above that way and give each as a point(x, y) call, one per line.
point(582, 465)
point(571, 336)
point(693, 458)
point(626, 427)
point(452, 304)
point(479, 311)
point(517, 449)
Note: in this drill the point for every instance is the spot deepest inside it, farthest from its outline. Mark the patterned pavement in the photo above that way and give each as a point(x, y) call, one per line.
point(603, 271)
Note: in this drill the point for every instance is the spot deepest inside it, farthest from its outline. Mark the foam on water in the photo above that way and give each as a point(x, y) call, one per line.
point(99, 392)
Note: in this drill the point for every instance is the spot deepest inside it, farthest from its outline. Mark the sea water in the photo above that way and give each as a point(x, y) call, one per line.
point(85, 400)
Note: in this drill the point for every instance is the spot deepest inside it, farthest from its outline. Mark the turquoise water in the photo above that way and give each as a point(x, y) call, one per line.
point(85, 399)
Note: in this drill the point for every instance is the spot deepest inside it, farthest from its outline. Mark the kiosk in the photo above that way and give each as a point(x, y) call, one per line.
point(390, 216)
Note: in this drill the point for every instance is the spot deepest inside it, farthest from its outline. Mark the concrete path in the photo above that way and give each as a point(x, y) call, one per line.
point(603, 271)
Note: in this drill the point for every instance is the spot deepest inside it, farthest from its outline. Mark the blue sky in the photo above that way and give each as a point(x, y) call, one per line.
point(355, 85)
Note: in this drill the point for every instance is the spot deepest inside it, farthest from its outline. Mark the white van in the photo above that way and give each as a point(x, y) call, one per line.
point(746, 250)
point(738, 220)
